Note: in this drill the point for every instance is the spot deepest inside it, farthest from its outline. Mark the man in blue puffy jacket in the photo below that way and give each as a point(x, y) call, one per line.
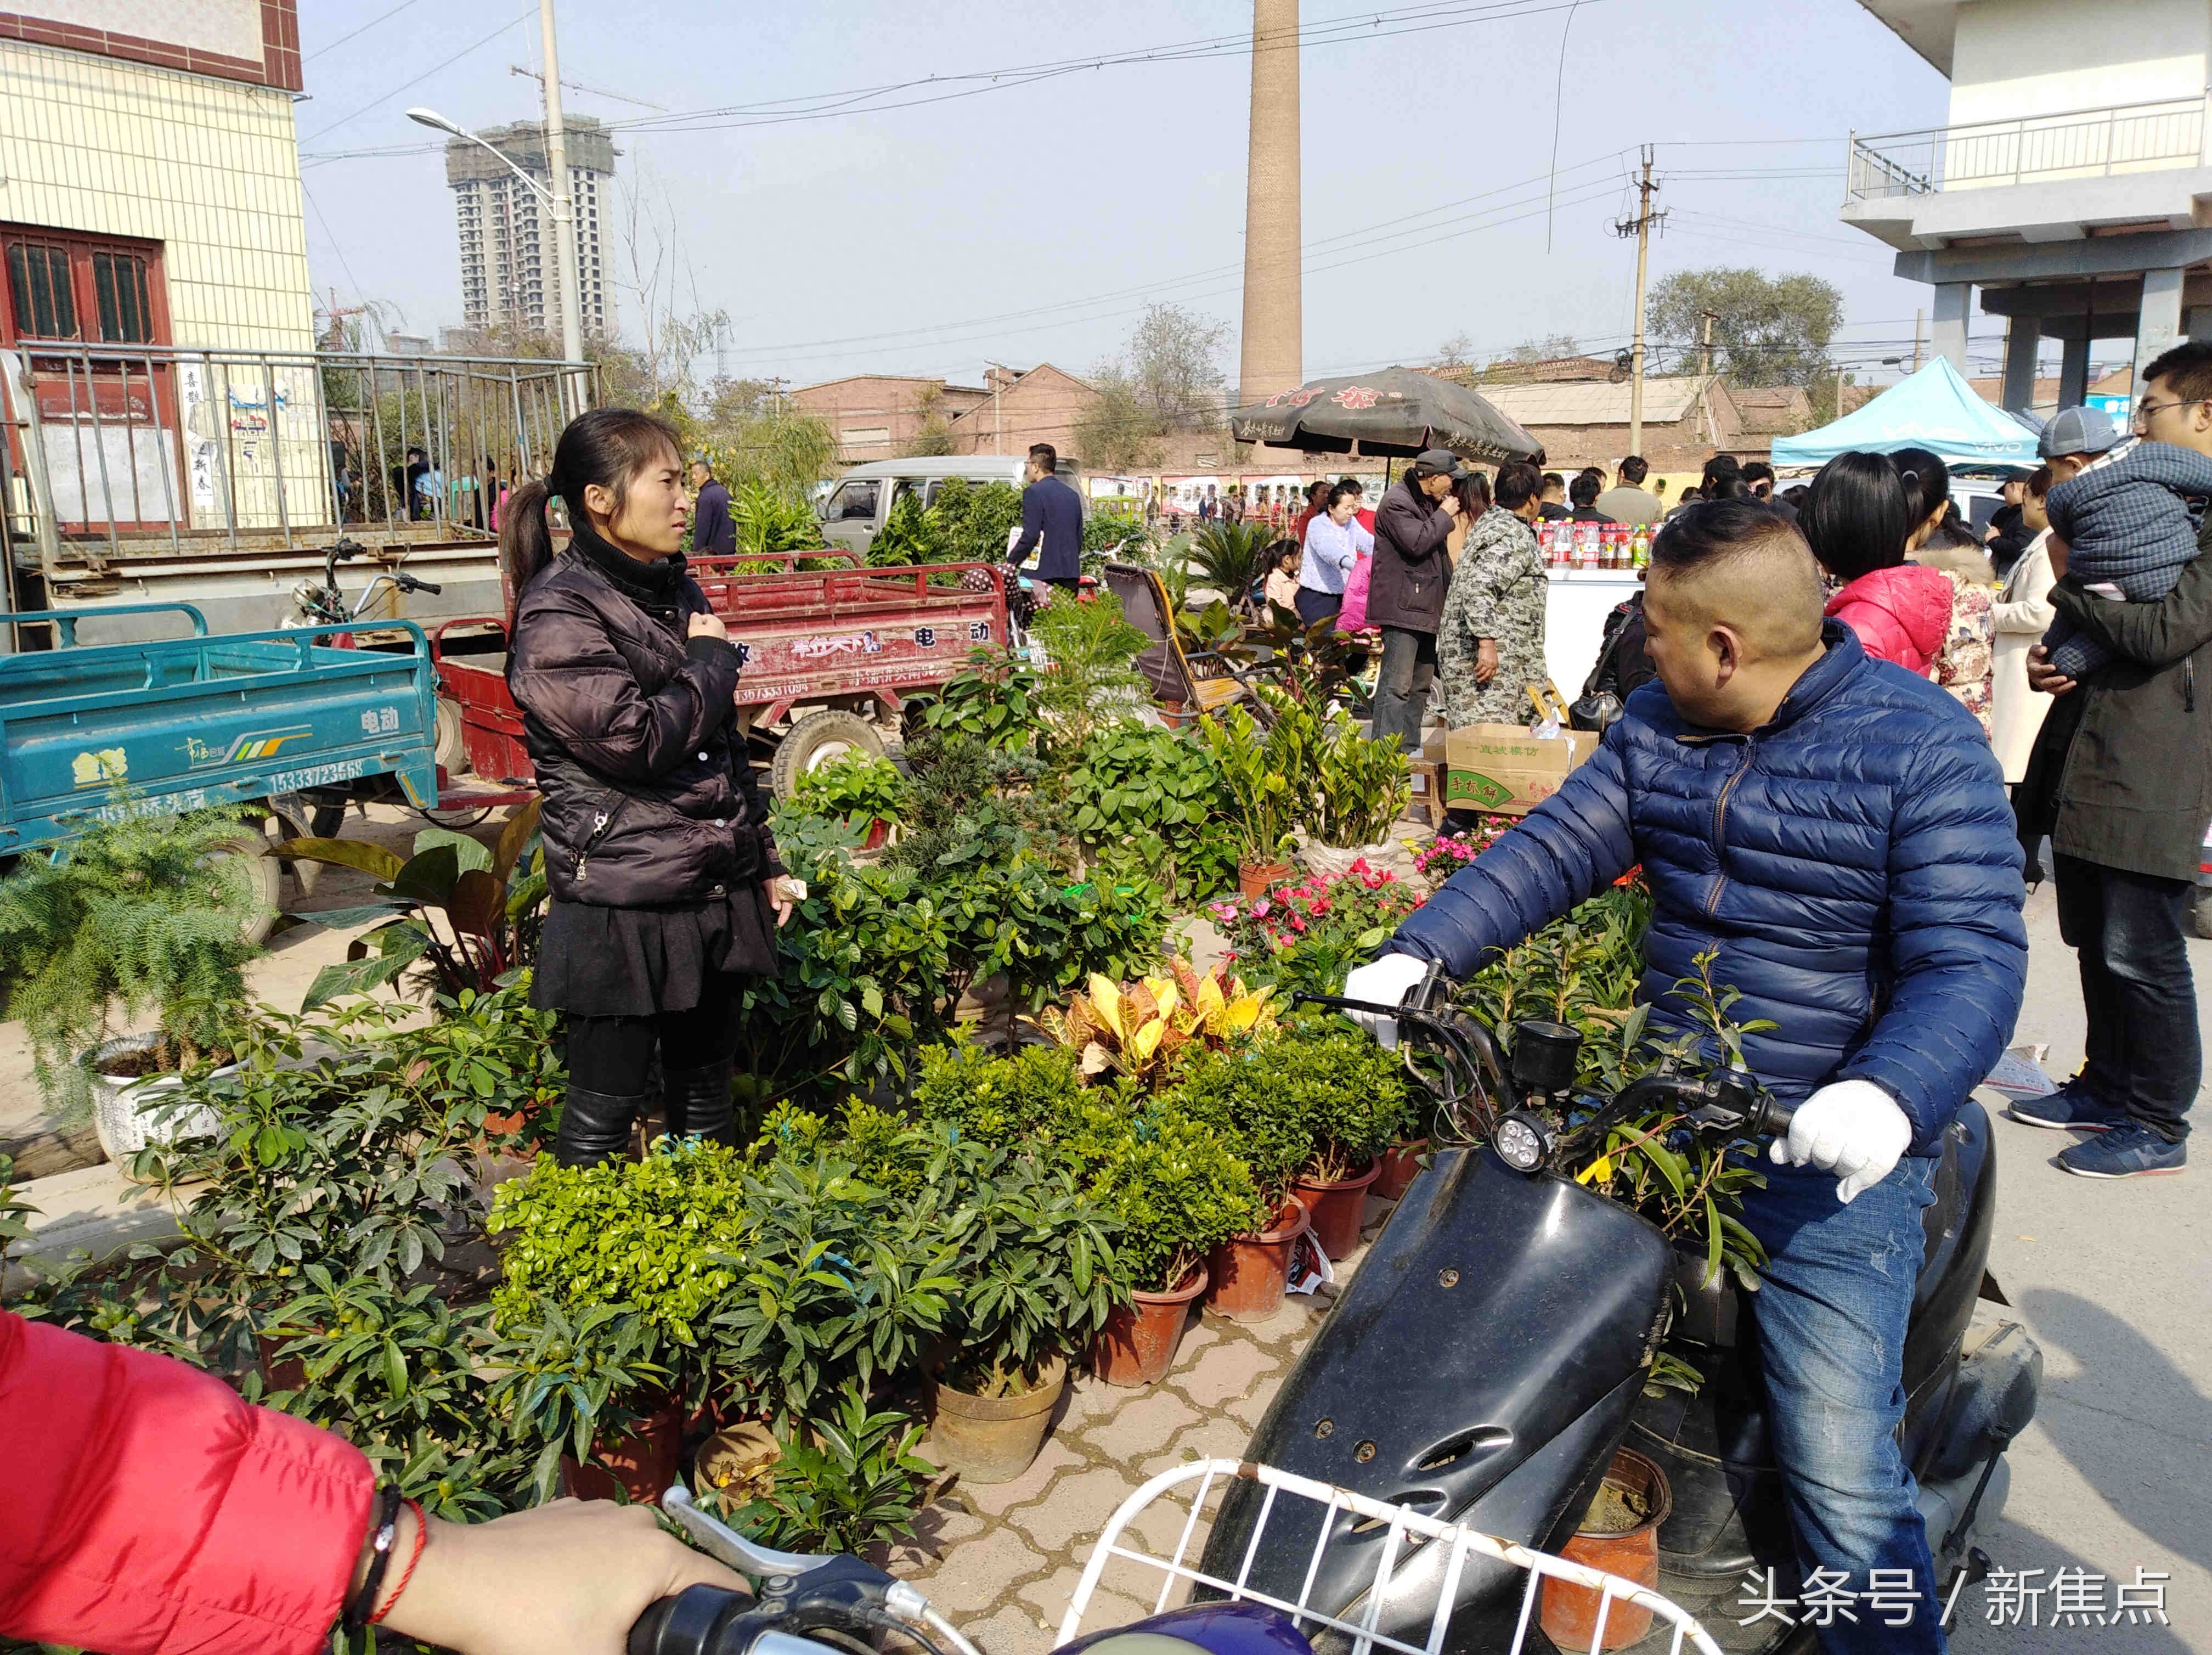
point(1837, 828)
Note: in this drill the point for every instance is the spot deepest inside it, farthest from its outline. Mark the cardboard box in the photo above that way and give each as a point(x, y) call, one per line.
point(1502, 770)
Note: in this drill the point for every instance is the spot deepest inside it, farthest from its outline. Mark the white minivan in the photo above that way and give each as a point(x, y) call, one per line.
point(858, 503)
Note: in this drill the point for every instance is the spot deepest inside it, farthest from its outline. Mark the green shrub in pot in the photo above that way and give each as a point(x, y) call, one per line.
point(854, 787)
point(148, 911)
point(995, 1097)
point(1175, 1185)
point(1146, 797)
point(849, 1481)
point(1316, 1098)
point(1038, 1263)
point(569, 1379)
point(837, 1280)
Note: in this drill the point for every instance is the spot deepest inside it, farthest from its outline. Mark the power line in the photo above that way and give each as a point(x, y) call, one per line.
point(363, 29)
point(530, 11)
point(1377, 25)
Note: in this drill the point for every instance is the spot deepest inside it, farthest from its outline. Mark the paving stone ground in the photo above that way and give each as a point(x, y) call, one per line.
point(1003, 1560)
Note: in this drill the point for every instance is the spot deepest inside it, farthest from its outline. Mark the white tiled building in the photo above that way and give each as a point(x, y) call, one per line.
point(509, 275)
point(149, 199)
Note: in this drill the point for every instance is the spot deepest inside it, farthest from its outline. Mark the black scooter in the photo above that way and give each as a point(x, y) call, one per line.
point(1492, 1352)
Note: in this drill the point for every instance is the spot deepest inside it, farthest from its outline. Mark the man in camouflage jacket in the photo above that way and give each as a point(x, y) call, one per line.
point(1494, 616)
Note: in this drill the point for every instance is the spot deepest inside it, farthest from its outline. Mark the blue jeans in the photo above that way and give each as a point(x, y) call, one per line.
point(1830, 1319)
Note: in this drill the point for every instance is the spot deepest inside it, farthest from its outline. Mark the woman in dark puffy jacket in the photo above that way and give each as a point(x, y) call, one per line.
point(667, 889)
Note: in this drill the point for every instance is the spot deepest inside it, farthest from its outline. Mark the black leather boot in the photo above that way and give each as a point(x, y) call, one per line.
point(595, 1127)
point(699, 1103)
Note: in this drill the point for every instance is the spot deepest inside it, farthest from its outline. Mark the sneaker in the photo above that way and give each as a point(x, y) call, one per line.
point(2069, 1109)
point(2126, 1152)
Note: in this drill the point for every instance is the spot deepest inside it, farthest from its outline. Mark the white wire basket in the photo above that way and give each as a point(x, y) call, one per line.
point(1409, 1532)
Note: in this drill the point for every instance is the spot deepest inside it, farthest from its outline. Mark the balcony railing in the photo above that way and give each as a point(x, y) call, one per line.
point(2139, 137)
point(160, 442)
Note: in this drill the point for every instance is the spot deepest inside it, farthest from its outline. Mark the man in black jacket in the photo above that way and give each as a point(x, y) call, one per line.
point(713, 533)
point(1052, 514)
point(1405, 590)
point(2121, 778)
point(2008, 535)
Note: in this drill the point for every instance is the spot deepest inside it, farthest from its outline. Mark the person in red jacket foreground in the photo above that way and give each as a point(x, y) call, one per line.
point(144, 1507)
point(1858, 520)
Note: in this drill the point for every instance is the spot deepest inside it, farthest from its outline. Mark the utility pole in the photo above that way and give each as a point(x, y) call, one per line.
point(1917, 316)
point(1640, 228)
point(1839, 390)
point(1705, 346)
point(998, 378)
point(564, 210)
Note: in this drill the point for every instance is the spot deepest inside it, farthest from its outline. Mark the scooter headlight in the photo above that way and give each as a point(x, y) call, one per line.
point(1521, 1142)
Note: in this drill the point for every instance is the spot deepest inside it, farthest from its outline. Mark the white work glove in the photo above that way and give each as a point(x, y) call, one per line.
point(1852, 1128)
point(1387, 982)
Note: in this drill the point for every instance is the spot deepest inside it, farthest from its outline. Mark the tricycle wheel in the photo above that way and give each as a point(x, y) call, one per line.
point(264, 875)
point(453, 753)
point(818, 738)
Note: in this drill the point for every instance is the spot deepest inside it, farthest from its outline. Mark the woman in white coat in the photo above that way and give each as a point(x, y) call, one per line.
point(2022, 613)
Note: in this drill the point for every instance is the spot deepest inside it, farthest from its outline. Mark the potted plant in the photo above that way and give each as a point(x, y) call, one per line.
point(1361, 787)
point(1236, 1097)
point(851, 1481)
point(1179, 1192)
point(1039, 1275)
point(1620, 1534)
point(856, 787)
point(586, 1393)
point(1351, 1097)
point(151, 911)
point(1260, 795)
point(1140, 1030)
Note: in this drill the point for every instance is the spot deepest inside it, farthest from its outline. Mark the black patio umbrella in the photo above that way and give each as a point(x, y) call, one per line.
point(1397, 412)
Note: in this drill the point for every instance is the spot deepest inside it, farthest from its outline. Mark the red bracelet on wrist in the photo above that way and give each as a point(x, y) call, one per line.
point(421, 1534)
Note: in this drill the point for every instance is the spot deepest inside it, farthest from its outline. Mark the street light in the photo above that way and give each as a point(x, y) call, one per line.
point(564, 231)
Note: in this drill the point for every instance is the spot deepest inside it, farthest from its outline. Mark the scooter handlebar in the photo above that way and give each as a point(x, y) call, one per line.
point(714, 1620)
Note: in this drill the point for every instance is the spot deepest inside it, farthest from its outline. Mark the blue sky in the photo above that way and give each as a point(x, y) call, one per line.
point(1032, 220)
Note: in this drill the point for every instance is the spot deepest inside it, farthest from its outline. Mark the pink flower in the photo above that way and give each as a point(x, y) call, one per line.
point(1261, 909)
point(1297, 924)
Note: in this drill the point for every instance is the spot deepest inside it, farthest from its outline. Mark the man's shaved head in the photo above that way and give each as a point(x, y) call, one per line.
point(1732, 611)
point(1742, 564)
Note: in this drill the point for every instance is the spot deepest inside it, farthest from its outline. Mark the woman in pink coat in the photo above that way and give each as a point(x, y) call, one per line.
point(1858, 521)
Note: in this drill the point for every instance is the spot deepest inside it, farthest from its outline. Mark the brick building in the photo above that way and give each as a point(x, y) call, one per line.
point(1579, 423)
point(883, 416)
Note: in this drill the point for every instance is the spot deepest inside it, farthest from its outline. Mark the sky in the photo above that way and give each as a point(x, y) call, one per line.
point(1008, 216)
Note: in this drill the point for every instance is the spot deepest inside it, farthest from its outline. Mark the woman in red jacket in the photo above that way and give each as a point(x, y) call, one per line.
point(145, 1508)
point(1858, 521)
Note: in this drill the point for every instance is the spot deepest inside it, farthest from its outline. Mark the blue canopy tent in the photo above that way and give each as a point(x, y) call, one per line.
point(1934, 409)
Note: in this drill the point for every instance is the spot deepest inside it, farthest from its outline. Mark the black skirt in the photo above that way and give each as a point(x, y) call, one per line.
point(633, 962)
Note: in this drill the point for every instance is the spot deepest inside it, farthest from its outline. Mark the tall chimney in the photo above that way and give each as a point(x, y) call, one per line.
point(1271, 342)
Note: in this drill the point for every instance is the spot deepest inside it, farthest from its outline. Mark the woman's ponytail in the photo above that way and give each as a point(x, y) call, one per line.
point(525, 542)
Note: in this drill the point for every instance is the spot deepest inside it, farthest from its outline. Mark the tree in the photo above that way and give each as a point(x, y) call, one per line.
point(1118, 432)
point(1766, 329)
point(1173, 364)
point(1550, 348)
point(935, 435)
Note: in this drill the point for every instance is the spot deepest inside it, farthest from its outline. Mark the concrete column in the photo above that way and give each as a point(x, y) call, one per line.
point(2158, 324)
point(1271, 349)
point(2196, 321)
point(2021, 339)
point(1953, 305)
point(2074, 373)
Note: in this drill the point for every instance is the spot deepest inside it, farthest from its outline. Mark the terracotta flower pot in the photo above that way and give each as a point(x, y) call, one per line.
point(879, 835)
point(1250, 1272)
point(278, 1373)
point(640, 1465)
point(1338, 1209)
point(992, 1438)
point(1570, 1617)
point(1253, 879)
point(1138, 1344)
point(740, 1458)
point(1397, 1168)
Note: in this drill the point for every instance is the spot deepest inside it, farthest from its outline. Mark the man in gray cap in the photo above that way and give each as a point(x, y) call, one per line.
point(1405, 591)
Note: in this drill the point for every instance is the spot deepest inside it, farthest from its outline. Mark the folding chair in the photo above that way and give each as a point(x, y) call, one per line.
point(1173, 672)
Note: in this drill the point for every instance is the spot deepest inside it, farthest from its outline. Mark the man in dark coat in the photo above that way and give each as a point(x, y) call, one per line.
point(1406, 588)
point(1829, 835)
point(1052, 514)
point(713, 533)
point(2121, 779)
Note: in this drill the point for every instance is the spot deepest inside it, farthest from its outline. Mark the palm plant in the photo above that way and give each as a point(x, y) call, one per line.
point(1227, 558)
